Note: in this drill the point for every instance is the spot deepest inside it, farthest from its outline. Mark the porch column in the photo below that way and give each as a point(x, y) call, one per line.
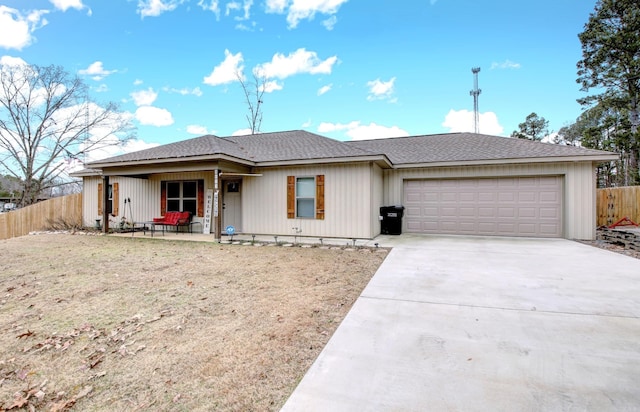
point(217, 206)
point(105, 201)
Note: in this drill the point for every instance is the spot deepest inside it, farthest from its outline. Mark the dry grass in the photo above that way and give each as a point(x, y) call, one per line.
point(103, 323)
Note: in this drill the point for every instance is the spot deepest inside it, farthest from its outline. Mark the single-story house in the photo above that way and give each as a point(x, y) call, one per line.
point(301, 183)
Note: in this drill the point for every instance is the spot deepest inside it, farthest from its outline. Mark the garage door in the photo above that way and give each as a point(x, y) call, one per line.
point(518, 206)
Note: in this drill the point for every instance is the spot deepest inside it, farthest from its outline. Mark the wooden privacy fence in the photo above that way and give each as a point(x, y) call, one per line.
point(616, 203)
point(59, 212)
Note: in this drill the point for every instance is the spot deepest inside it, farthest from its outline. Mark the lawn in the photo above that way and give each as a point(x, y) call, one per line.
point(94, 323)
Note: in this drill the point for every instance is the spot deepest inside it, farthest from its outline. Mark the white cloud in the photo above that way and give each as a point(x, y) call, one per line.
point(102, 88)
point(236, 6)
point(241, 132)
point(16, 29)
point(462, 121)
point(64, 5)
point(244, 27)
point(135, 145)
point(212, 5)
point(12, 61)
point(276, 6)
point(154, 8)
point(357, 131)
point(227, 71)
point(507, 64)
point(324, 89)
point(137, 82)
point(184, 91)
point(300, 61)
point(379, 90)
point(116, 149)
point(271, 86)
point(330, 23)
point(307, 124)
point(303, 9)
point(199, 130)
point(144, 97)
point(153, 116)
point(96, 70)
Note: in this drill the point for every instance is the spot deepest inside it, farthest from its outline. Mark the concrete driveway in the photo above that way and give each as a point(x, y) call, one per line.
point(476, 324)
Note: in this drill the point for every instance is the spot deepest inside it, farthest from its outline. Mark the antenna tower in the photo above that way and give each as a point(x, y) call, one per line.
point(475, 93)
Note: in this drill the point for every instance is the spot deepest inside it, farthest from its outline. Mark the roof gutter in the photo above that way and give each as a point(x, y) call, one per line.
point(567, 159)
point(216, 157)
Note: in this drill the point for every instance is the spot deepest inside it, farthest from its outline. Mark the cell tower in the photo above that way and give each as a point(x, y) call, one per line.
point(475, 93)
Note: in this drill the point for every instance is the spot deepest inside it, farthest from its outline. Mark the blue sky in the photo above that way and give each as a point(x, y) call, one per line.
point(347, 69)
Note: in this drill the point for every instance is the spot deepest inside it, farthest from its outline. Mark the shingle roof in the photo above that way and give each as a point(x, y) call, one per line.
point(199, 146)
point(302, 145)
point(463, 147)
point(293, 145)
point(264, 147)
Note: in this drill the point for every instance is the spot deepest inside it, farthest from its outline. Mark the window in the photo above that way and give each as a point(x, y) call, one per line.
point(305, 197)
point(182, 196)
point(112, 201)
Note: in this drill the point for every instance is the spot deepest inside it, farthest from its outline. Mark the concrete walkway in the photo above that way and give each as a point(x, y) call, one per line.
point(477, 324)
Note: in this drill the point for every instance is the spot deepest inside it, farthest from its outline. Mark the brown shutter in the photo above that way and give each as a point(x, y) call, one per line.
point(163, 198)
point(100, 199)
point(116, 200)
point(200, 198)
point(320, 197)
point(291, 197)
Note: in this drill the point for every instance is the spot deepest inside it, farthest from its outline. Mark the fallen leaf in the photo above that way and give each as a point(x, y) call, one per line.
point(177, 398)
point(22, 374)
point(25, 335)
point(19, 402)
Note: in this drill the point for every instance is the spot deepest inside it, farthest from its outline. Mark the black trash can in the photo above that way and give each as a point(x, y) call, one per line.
point(391, 223)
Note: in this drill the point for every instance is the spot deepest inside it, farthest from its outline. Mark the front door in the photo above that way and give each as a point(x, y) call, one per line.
point(232, 205)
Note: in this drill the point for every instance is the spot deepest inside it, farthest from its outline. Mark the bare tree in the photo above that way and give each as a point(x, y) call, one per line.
point(45, 118)
point(253, 92)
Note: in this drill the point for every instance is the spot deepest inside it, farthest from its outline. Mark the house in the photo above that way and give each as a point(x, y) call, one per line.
point(297, 182)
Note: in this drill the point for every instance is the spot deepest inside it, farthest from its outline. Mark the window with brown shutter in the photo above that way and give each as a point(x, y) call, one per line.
point(112, 200)
point(182, 196)
point(305, 197)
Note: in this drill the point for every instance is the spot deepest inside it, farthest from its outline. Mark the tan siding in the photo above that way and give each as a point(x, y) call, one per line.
point(377, 190)
point(579, 188)
point(144, 195)
point(90, 200)
point(347, 202)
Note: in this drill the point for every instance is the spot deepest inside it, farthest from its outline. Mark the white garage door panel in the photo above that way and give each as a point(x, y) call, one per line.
point(520, 206)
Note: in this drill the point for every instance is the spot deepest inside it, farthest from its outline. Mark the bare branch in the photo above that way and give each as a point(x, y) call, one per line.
point(253, 93)
point(45, 118)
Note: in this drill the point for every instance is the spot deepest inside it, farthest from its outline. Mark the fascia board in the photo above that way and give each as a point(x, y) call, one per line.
point(566, 159)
